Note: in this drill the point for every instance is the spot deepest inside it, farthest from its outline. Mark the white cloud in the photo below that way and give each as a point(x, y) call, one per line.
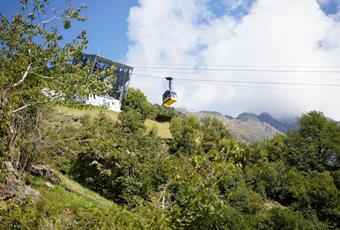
point(289, 34)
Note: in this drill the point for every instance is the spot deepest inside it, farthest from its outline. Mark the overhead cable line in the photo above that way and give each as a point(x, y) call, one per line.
point(246, 82)
point(140, 64)
point(235, 69)
point(243, 75)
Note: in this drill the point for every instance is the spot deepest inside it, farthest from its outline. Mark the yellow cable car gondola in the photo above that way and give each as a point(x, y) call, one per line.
point(169, 96)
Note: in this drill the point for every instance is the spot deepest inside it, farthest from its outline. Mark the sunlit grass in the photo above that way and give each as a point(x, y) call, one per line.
point(163, 130)
point(69, 205)
point(63, 114)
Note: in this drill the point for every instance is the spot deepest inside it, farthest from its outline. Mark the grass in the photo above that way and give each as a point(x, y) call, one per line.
point(91, 111)
point(71, 206)
point(163, 129)
point(67, 205)
point(62, 114)
point(76, 188)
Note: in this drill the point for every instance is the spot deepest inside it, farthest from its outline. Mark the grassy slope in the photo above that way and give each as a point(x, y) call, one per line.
point(76, 188)
point(71, 206)
point(61, 113)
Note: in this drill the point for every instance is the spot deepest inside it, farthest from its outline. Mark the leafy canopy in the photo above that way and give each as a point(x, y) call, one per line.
point(37, 66)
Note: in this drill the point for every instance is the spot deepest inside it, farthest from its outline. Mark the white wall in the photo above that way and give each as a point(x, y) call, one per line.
point(108, 102)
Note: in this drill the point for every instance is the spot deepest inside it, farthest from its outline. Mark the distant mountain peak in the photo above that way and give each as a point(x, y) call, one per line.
point(214, 113)
point(250, 127)
point(265, 114)
point(264, 117)
point(229, 117)
point(282, 125)
point(248, 117)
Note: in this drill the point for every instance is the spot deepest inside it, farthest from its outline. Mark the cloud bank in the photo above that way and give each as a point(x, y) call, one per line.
point(238, 34)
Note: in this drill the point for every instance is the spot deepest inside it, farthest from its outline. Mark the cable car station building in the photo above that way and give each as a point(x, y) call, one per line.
point(114, 100)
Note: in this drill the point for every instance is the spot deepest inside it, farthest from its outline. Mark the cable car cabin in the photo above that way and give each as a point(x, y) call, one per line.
point(169, 97)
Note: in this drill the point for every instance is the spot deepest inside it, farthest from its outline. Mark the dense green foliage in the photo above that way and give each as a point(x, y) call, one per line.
point(202, 178)
point(317, 143)
point(36, 67)
point(137, 101)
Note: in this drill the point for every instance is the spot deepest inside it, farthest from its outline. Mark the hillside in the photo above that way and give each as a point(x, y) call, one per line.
point(116, 174)
point(60, 116)
point(282, 125)
point(57, 202)
point(246, 127)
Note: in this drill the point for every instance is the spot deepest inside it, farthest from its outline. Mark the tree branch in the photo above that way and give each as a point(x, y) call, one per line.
point(23, 76)
point(39, 75)
point(51, 19)
point(32, 104)
point(46, 21)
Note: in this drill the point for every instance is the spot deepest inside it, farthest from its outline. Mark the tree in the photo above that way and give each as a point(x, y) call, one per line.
point(131, 121)
point(186, 135)
point(316, 146)
point(276, 147)
point(245, 200)
point(323, 196)
point(287, 219)
point(38, 67)
point(213, 131)
point(137, 101)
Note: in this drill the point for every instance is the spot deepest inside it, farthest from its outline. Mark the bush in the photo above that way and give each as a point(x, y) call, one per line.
point(186, 135)
point(287, 219)
point(131, 121)
point(117, 161)
point(20, 216)
point(137, 101)
point(246, 201)
point(213, 131)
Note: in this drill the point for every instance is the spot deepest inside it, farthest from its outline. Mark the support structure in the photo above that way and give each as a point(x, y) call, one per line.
point(123, 73)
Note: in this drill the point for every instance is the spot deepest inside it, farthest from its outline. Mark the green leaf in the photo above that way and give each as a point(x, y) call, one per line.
point(67, 24)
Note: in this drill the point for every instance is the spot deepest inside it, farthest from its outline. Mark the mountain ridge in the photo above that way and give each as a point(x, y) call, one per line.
point(246, 127)
point(250, 127)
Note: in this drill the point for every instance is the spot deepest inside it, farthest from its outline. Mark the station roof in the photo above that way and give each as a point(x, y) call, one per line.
point(108, 61)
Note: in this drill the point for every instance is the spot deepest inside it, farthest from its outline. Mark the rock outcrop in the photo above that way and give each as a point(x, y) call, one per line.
point(45, 171)
point(12, 188)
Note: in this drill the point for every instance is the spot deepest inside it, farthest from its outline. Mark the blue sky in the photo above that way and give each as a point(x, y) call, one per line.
point(235, 8)
point(107, 24)
point(330, 7)
point(189, 33)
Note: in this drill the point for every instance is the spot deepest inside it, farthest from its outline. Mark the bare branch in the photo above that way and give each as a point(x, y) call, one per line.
point(32, 104)
point(39, 75)
point(11, 129)
point(42, 22)
point(23, 76)
point(51, 19)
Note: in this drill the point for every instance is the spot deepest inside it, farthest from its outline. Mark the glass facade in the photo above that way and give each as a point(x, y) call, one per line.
point(122, 72)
